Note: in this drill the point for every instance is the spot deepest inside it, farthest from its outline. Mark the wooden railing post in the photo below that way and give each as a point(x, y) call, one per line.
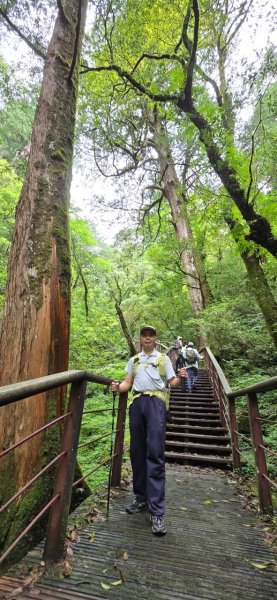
point(260, 459)
point(220, 394)
point(233, 431)
point(56, 531)
point(119, 439)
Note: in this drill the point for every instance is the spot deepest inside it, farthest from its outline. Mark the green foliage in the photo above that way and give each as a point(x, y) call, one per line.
point(10, 187)
point(17, 109)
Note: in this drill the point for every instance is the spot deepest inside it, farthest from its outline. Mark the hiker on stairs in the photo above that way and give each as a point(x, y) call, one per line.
point(149, 372)
point(191, 357)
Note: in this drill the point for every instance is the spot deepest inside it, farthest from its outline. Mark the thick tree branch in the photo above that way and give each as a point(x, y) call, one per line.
point(136, 84)
point(76, 43)
point(192, 60)
point(63, 16)
point(252, 156)
point(174, 57)
point(23, 37)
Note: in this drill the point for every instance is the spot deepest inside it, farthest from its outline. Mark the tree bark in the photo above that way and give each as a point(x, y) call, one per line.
point(35, 328)
point(260, 230)
point(257, 278)
point(259, 284)
point(198, 288)
point(124, 327)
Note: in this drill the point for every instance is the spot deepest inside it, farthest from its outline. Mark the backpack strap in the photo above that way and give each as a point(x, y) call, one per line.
point(160, 365)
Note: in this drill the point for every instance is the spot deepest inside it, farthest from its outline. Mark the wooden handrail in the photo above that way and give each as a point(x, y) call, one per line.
point(263, 386)
point(226, 395)
point(222, 378)
point(60, 503)
point(31, 387)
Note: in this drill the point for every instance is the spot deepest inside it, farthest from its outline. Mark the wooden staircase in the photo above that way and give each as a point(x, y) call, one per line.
point(196, 435)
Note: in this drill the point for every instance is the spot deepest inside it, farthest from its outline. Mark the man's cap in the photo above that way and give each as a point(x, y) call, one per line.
point(180, 337)
point(190, 344)
point(148, 327)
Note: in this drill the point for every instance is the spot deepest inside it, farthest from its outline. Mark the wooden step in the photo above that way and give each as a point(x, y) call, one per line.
point(198, 458)
point(194, 405)
point(200, 422)
point(193, 428)
point(189, 413)
point(199, 436)
point(202, 394)
point(197, 446)
point(196, 433)
point(197, 407)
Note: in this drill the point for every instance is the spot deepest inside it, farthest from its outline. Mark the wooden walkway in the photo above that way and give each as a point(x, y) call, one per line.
point(209, 552)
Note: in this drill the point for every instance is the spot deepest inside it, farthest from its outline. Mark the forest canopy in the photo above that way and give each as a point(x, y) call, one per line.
point(171, 116)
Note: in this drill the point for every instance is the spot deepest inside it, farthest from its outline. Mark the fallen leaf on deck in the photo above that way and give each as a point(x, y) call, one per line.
point(125, 556)
point(91, 537)
point(16, 592)
point(118, 582)
point(208, 502)
point(105, 586)
point(260, 565)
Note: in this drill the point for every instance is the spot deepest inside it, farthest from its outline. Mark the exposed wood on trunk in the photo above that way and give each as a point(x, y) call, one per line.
point(35, 326)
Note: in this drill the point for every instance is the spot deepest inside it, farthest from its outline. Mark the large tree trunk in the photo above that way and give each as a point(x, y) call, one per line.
point(198, 288)
point(259, 284)
point(35, 327)
point(257, 278)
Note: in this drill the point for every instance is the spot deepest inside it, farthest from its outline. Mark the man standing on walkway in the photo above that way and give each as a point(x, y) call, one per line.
point(149, 372)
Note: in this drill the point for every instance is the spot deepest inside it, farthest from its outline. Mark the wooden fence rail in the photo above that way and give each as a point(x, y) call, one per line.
point(59, 504)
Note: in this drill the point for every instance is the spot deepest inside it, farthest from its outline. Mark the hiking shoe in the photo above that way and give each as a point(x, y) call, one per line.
point(158, 525)
point(136, 507)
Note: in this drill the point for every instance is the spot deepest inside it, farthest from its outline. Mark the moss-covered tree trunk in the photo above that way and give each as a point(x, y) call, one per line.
point(35, 327)
point(198, 288)
point(258, 281)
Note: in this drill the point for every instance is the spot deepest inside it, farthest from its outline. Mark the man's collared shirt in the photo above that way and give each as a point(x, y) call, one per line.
point(147, 376)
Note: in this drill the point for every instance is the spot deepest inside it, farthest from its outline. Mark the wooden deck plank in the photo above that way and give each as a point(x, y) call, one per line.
point(206, 554)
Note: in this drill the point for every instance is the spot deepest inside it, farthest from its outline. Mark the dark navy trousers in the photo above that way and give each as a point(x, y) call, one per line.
point(147, 448)
point(192, 377)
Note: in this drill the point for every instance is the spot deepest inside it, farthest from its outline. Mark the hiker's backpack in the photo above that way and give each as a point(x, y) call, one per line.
point(163, 394)
point(160, 365)
point(190, 356)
